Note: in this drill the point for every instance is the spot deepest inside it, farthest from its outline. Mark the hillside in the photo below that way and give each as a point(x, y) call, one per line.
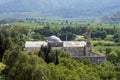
point(112, 18)
point(59, 8)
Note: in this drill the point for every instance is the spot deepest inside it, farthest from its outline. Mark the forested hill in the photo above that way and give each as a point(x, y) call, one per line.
point(112, 18)
point(59, 8)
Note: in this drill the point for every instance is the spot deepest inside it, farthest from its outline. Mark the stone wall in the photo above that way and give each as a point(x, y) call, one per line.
point(92, 59)
point(29, 49)
point(75, 51)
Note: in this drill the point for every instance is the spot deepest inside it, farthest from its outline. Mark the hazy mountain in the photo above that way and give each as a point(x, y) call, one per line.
point(112, 18)
point(60, 8)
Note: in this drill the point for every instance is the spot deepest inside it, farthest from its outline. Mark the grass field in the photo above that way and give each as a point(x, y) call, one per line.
point(28, 25)
point(59, 24)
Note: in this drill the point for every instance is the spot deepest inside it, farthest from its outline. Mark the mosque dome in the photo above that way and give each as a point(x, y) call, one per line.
point(54, 39)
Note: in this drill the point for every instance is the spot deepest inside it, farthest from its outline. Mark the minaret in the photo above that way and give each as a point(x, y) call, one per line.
point(88, 43)
point(88, 36)
point(89, 40)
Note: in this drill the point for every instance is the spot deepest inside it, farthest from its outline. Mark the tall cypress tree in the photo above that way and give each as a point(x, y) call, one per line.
point(57, 58)
point(2, 49)
point(45, 52)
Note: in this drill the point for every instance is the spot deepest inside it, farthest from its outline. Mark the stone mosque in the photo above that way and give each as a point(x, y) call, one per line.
point(80, 50)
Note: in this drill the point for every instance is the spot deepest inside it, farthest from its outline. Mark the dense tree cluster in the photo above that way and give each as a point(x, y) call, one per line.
point(113, 55)
point(10, 38)
point(48, 64)
point(23, 66)
point(117, 37)
point(49, 55)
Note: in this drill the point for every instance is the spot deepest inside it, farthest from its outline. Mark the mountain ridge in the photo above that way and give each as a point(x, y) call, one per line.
point(111, 18)
point(60, 8)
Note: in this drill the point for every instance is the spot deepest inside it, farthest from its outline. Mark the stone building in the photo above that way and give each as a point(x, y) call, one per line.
point(78, 49)
point(6, 25)
point(34, 45)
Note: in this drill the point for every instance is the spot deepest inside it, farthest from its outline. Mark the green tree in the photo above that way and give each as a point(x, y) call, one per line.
point(57, 58)
point(108, 50)
point(45, 53)
point(5, 44)
point(9, 59)
point(112, 57)
point(2, 49)
point(22, 66)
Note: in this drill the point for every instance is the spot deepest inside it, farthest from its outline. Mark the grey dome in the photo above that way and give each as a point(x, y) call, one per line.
point(54, 39)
